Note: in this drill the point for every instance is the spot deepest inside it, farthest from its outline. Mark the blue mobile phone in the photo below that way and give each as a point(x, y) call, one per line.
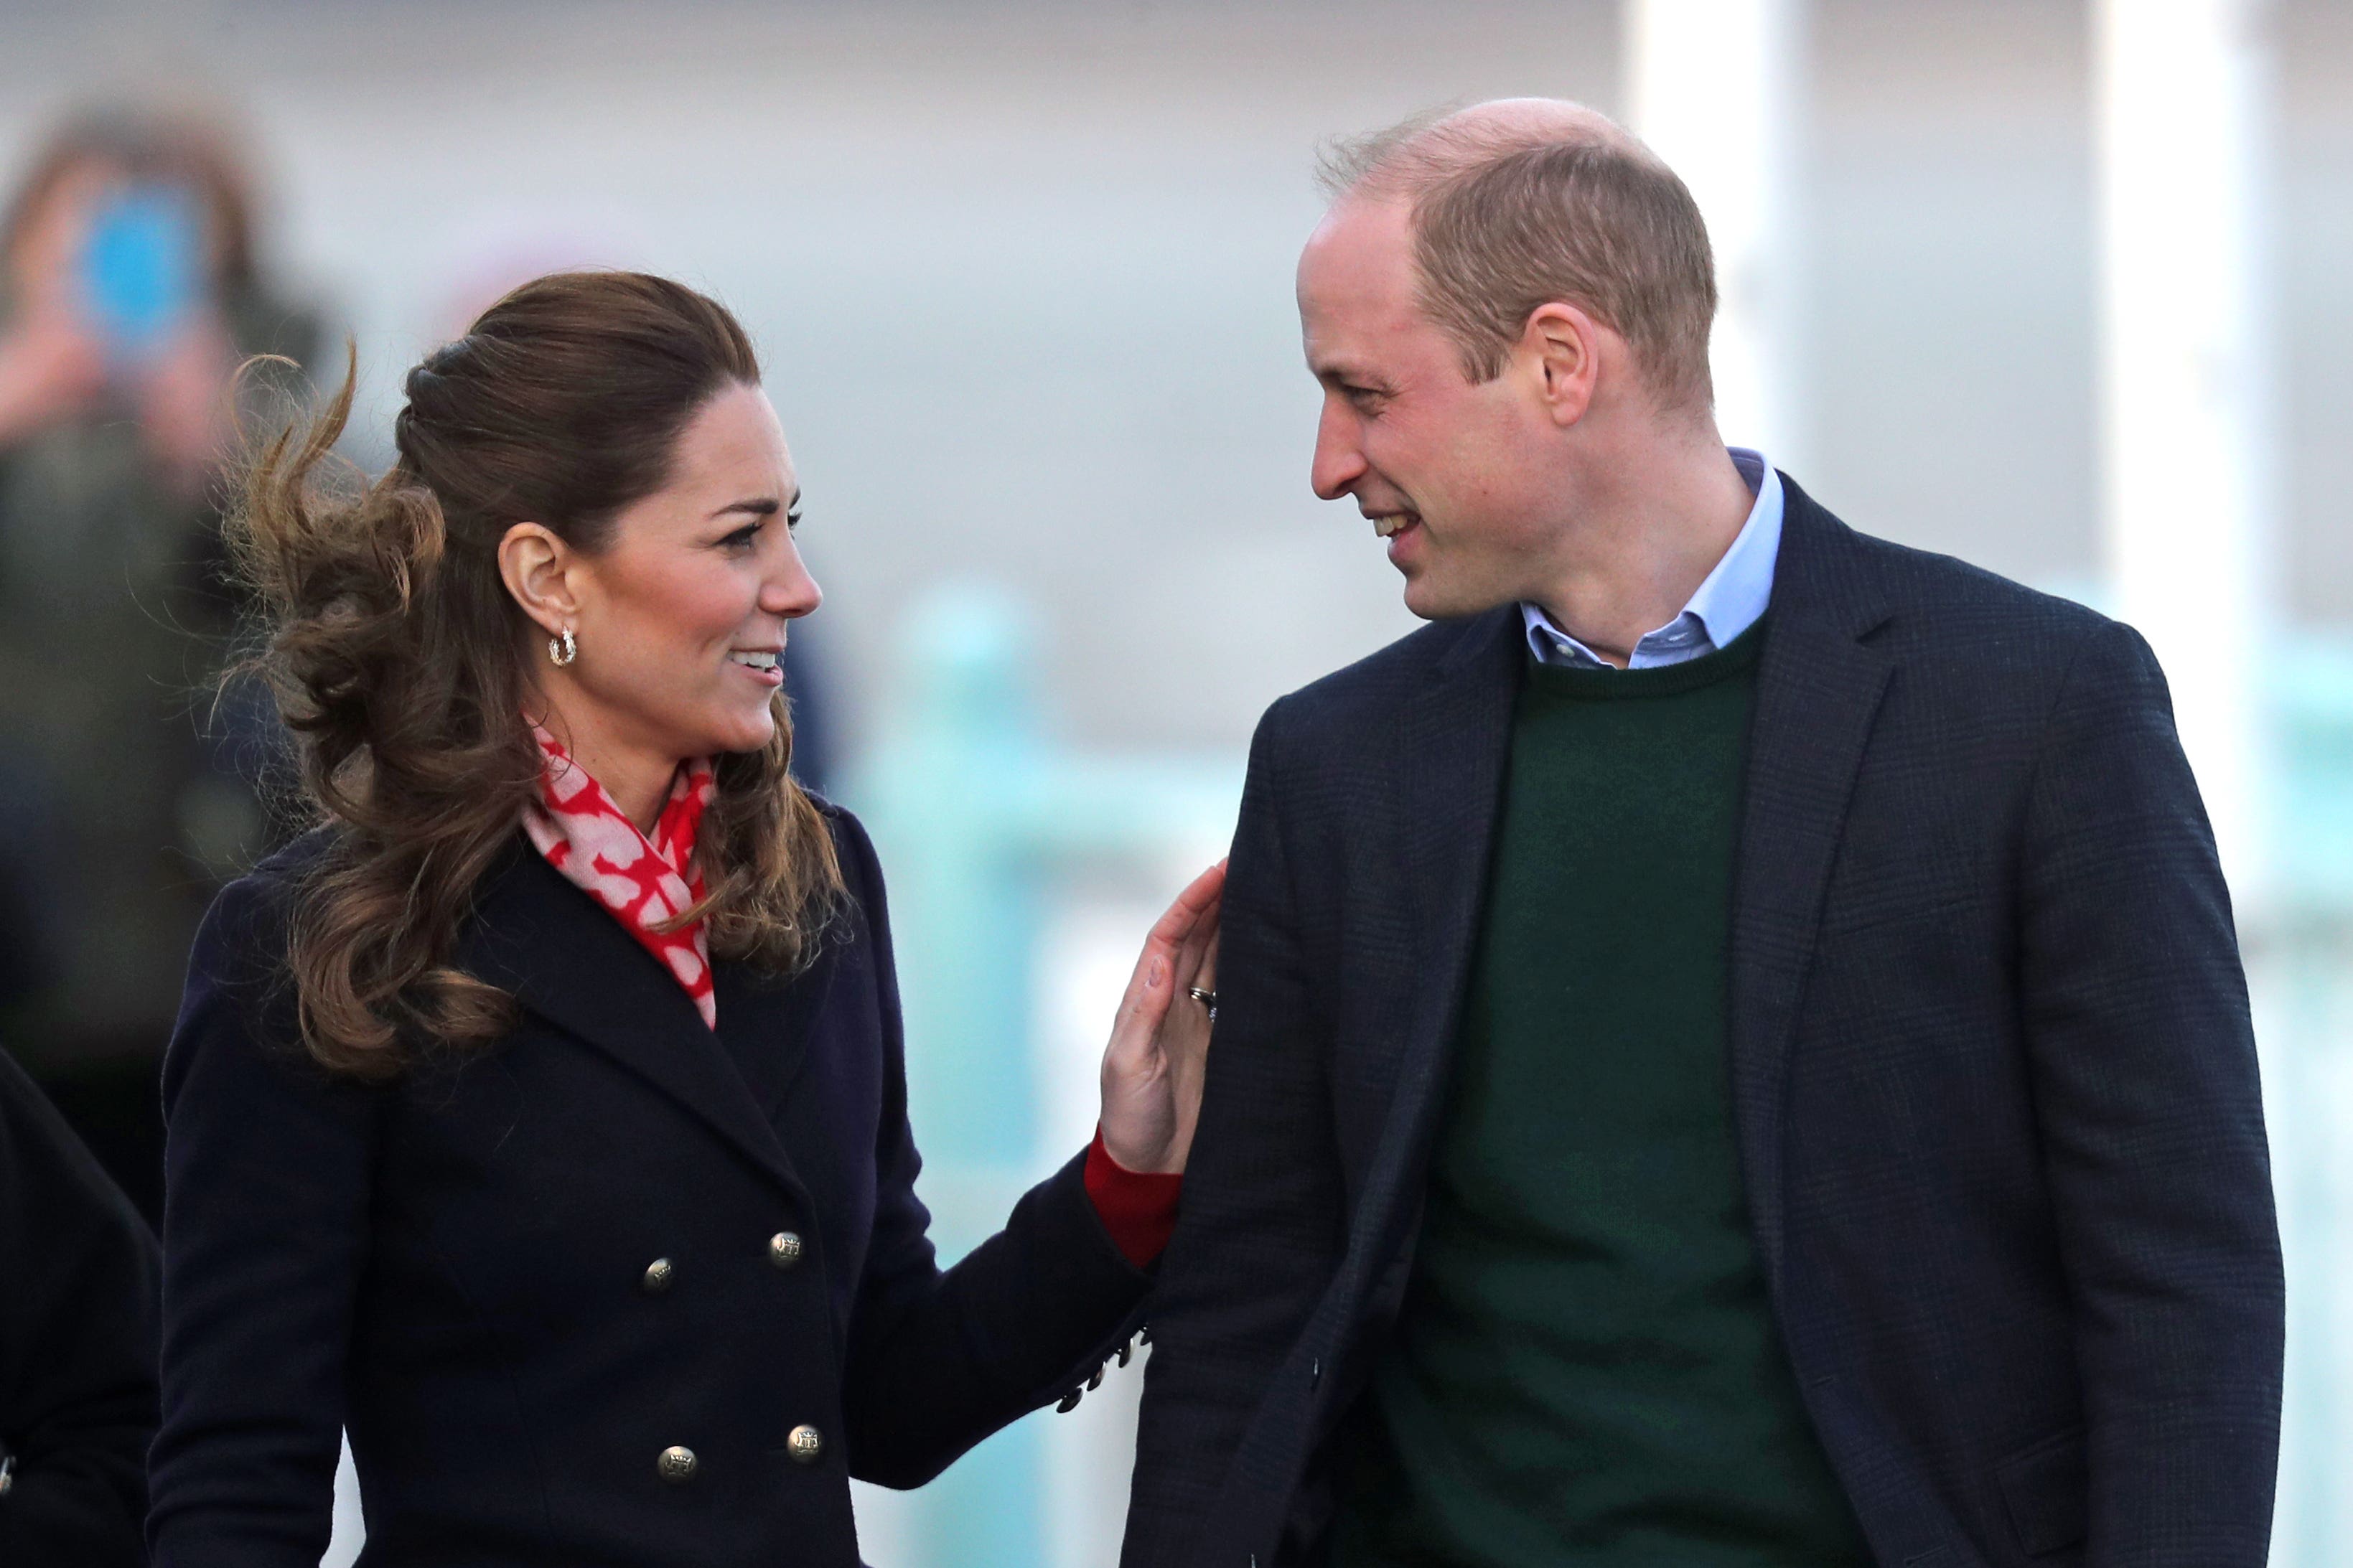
point(139, 267)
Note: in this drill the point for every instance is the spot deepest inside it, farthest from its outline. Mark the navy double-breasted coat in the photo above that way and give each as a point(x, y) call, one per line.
point(619, 1290)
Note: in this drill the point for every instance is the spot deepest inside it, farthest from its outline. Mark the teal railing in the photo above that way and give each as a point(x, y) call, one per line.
point(976, 813)
point(2300, 973)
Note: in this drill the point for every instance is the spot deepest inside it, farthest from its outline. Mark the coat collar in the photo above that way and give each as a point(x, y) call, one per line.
point(567, 960)
point(1452, 743)
point(1454, 740)
point(1820, 683)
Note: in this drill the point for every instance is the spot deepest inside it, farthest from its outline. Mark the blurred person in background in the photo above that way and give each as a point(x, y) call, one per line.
point(132, 290)
point(77, 1335)
point(541, 1117)
point(1733, 1049)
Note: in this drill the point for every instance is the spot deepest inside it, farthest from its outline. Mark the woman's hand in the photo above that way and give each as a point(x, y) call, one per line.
point(1160, 1048)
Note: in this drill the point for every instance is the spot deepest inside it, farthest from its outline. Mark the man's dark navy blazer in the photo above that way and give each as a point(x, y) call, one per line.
point(1993, 1076)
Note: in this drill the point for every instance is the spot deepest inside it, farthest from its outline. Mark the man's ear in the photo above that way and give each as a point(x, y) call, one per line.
point(538, 569)
point(1561, 349)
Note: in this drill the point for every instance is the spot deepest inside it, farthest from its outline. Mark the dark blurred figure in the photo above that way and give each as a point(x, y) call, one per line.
point(808, 684)
point(78, 1341)
point(130, 294)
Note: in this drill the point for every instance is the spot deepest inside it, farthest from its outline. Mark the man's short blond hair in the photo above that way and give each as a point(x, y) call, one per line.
point(1521, 204)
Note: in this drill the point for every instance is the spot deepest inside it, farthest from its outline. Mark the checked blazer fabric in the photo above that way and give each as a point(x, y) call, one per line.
point(1993, 1076)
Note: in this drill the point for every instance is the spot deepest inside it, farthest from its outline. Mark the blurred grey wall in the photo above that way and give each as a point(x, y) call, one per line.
point(1021, 272)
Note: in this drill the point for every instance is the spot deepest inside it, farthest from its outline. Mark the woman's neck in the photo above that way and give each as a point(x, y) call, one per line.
point(636, 779)
point(638, 785)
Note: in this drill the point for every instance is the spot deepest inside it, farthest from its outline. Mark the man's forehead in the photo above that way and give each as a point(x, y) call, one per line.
point(1359, 258)
point(1361, 322)
point(1357, 225)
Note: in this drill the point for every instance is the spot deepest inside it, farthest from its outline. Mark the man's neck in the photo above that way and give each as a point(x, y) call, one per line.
point(1638, 549)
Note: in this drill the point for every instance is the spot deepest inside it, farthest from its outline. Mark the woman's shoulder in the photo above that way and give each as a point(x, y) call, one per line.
point(299, 855)
point(287, 869)
point(252, 914)
point(860, 910)
point(239, 1015)
point(861, 872)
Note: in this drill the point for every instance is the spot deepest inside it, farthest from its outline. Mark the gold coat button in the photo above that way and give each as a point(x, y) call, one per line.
point(659, 1274)
point(784, 1249)
point(675, 1464)
point(805, 1444)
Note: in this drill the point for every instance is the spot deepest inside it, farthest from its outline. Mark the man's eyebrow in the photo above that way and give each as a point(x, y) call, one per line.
point(1337, 373)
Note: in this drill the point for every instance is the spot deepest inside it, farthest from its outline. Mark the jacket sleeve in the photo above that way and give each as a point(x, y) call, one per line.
point(77, 1345)
point(937, 1361)
point(1260, 1230)
point(2145, 1082)
point(268, 1165)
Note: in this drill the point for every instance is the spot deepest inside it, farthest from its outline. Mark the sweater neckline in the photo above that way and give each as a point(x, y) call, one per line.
point(1577, 684)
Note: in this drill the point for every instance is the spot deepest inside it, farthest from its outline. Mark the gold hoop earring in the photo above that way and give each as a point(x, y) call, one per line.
point(562, 650)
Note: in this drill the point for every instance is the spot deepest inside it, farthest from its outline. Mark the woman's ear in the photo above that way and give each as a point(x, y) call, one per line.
point(538, 568)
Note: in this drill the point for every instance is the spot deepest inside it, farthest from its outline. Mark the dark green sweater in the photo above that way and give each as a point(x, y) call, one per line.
point(1587, 1370)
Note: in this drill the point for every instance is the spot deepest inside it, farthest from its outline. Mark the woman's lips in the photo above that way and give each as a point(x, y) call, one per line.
point(766, 668)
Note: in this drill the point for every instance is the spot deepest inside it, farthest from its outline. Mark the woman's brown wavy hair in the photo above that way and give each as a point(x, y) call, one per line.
point(397, 656)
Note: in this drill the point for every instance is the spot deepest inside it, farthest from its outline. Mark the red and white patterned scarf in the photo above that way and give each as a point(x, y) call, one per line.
point(643, 881)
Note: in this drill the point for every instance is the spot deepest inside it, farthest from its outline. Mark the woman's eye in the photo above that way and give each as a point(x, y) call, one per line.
point(742, 537)
point(792, 522)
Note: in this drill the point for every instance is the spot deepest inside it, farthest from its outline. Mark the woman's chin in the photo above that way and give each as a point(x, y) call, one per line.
point(748, 734)
point(716, 727)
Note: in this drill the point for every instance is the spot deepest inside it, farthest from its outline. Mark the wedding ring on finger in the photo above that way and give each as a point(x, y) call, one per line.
point(1207, 998)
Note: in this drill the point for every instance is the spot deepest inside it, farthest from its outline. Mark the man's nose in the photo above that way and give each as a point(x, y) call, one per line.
point(1339, 462)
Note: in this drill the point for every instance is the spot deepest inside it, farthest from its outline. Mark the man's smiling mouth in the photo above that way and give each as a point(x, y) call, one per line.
point(1390, 524)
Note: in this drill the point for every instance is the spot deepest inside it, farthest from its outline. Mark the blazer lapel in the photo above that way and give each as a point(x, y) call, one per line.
point(565, 958)
point(1453, 740)
point(1819, 687)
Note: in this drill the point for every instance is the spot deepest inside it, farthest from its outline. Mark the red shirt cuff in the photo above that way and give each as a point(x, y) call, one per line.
point(1138, 1208)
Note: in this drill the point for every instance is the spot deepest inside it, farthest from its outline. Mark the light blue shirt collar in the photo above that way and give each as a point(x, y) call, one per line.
point(1733, 598)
